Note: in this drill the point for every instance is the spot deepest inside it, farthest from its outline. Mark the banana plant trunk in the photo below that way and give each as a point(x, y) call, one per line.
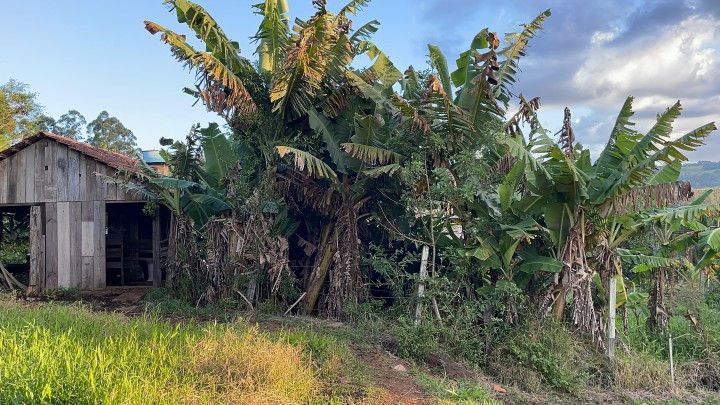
point(345, 277)
point(338, 262)
point(576, 277)
point(323, 261)
point(656, 304)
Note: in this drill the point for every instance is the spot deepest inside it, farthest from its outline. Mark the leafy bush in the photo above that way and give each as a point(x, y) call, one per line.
point(544, 353)
point(451, 391)
point(415, 341)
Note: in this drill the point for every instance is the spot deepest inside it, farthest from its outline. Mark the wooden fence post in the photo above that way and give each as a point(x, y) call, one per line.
point(421, 285)
point(612, 295)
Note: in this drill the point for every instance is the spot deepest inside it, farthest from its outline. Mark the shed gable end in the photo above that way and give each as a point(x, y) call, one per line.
point(48, 171)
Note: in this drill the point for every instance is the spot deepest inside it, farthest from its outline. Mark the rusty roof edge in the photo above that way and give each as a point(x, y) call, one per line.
point(112, 159)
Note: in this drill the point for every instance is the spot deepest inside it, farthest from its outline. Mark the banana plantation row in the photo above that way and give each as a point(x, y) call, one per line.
point(330, 185)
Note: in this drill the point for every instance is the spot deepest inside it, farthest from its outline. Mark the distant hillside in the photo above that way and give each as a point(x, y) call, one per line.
point(702, 174)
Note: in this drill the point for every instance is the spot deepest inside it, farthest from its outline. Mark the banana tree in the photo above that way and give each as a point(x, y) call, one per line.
point(284, 105)
point(675, 231)
point(581, 203)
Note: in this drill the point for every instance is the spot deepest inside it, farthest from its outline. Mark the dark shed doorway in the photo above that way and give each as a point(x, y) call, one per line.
point(133, 245)
point(15, 241)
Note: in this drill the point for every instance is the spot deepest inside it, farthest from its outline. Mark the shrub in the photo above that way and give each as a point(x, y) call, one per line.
point(451, 391)
point(538, 354)
point(415, 341)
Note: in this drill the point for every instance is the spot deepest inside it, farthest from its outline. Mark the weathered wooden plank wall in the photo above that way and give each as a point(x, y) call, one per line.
point(37, 250)
point(51, 243)
point(29, 173)
point(63, 244)
point(3, 181)
point(48, 171)
point(99, 210)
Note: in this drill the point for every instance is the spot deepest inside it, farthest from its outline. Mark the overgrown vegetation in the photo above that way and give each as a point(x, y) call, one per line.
point(351, 191)
point(431, 207)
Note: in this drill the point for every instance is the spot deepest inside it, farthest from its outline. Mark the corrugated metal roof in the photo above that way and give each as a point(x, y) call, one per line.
point(152, 156)
point(112, 159)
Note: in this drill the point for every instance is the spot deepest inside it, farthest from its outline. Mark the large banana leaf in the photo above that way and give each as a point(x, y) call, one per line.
point(644, 262)
point(305, 161)
point(506, 189)
point(533, 263)
point(513, 52)
point(220, 157)
point(382, 66)
point(221, 89)
point(439, 62)
point(466, 70)
point(201, 207)
point(322, 126)
point(273, 33)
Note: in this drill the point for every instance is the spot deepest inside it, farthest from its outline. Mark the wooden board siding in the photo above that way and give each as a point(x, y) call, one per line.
point(28, 173)
point(63, 245)
point(75, 244)
point(39, 172)
point(99, 209)
point(49, 168)
point(37, 250)
point(51, 243)
point(80, 245)
point(3, 181)
point(48, 171)
point(73, 174)
point(16, 179)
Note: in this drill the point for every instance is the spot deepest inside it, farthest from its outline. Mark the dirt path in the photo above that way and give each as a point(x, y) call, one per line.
point(390, 373)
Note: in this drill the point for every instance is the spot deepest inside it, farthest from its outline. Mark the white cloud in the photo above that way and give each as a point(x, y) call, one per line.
point(681, 61)
point(601, 37)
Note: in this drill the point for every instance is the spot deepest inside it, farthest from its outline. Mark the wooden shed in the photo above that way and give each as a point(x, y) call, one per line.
point(85, 233)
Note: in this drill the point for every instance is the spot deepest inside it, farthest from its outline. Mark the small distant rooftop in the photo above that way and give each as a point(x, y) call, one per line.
point(152, 157)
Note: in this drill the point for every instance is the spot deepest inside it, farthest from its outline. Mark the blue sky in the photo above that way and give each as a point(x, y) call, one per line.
point(95, 55)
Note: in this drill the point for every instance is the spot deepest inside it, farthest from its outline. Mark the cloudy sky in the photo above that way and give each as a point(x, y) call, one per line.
point(95, 55)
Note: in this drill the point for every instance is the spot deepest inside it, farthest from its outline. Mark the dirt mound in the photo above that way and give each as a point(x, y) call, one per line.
point(124, 300)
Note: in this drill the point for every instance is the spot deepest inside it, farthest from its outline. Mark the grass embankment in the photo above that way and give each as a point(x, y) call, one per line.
point(64, 354)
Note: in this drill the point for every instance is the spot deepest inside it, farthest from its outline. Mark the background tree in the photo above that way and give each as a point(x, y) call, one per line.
point(20, 113)
point(108, 133)
point(46, 123)
point(71, 124)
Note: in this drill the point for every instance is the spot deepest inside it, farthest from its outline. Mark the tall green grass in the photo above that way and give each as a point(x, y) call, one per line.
point(56, 354)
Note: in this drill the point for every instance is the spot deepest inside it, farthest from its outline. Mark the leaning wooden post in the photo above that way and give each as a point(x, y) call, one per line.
point(421, 285)
point(611, 318)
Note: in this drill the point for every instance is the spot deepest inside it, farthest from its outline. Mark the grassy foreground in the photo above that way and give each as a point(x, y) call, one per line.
point(60, 354)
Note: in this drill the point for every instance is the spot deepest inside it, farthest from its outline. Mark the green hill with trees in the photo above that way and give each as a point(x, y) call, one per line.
point(703, 174)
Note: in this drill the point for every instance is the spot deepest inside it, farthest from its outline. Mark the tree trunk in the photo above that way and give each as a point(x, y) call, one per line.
point(346, 280)
point(656, 304)
point(320, 270)
point(576, 277)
